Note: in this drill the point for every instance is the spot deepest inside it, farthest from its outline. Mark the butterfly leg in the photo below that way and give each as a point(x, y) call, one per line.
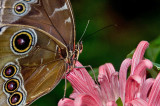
point(65, 88)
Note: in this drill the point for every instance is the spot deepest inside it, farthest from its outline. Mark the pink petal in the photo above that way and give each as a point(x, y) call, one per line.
point(77, 84)
point(123, 76)
point(137, 102)
point(82, 82)
point(74, 94)
point(85, 100)
point(107, 70)
point(138, 54)
point(141, 68)
point(145, 88)
point(111, 103)
point(154, 97)
point(84, 75)
point(80, 87)
point(66, 102)
point(115, 84)
point(132, 87)
point(107, 91)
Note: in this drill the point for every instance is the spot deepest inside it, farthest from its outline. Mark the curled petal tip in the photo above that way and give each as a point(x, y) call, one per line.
point(148, 63)
point(142, 66)
point(85, 100)
point(66, 102)
point(138, 54)
point(143, 41)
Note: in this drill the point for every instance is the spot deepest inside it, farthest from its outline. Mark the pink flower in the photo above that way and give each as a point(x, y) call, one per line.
point(86, 92)
point(135, 90)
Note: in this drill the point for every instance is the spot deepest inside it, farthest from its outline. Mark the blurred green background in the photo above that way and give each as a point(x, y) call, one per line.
point(136, 20)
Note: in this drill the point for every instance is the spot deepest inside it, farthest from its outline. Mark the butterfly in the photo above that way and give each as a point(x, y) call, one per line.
point(37, 47)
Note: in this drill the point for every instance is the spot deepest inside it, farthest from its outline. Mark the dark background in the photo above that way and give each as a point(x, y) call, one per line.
point(136, 20)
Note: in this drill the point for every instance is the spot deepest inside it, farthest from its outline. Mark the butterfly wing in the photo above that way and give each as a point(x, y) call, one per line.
point(53, 22)
point(44, 81)
point(62, 10)
point(52, 16)
point(39, 66)
point(3, 97)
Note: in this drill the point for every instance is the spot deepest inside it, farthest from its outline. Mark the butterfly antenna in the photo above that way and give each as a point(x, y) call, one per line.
point(84, 31)
point(92, 34)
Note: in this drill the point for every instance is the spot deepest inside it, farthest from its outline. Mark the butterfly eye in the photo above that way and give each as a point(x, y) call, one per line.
point(9, 71)
point(19, 8)
point(22, 42)
point(15, 99)
point(11, 85)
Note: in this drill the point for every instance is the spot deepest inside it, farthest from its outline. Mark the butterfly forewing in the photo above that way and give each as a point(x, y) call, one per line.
point(62, 10)
point(32, 35)
point(52, 16)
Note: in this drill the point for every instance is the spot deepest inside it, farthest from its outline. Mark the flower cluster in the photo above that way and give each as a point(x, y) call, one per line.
point(135, 90)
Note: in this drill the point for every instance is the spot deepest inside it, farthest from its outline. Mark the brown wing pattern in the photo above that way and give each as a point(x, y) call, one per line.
point(43, 80)
point(3, 97)
point(52, 16)
point(41, 68)
point(62, 10)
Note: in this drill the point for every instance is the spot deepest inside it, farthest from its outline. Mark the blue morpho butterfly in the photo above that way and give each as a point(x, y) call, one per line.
point(37, 47)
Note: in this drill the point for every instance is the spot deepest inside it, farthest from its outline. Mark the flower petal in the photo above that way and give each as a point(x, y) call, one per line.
point(132, 87)
point(82, 82)
point(123, 76)
point(154, 97)
point(84, 75)
point(115, 84)
point(137, 102)
point(107, 91)
point(141, 68)
point(145, 88)
point(74, 94)
point(66, 102)
point(111, 103)
point(85, 100)
point(107, 70)
point(138, 54)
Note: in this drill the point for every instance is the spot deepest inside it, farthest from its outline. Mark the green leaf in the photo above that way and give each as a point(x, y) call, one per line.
point(153, 73)
point(119, 102)
point(153, 52)
point(155, 70)
point(156, 41)
point(156, 65)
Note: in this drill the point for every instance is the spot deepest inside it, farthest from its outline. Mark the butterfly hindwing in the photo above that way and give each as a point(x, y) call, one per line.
point(39, 66)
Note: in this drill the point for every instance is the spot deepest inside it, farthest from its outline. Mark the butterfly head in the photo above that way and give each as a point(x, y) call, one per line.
point(80, 47)
point(73, 55)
